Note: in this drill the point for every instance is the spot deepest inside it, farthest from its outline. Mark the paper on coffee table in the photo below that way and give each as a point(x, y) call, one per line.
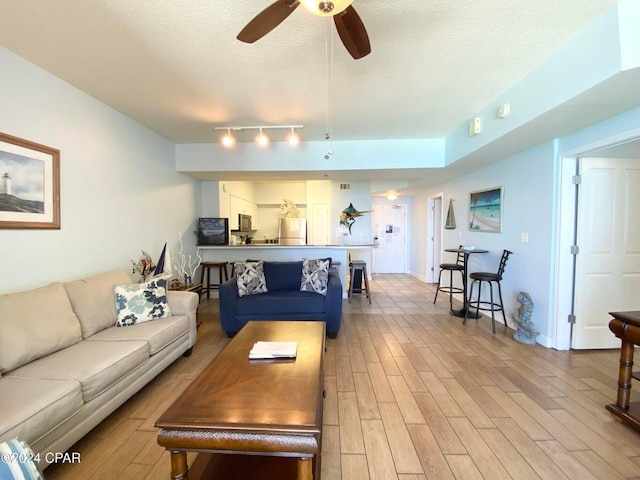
point(262, 350)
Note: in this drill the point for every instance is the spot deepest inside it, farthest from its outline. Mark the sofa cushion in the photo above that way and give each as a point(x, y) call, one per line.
point(158, 333)
point(35, 323)
point(139, 303)
point(95, 365)
point(93, 300)
point(315, 275)
point(32, 407)
point(250, 278)
point(283, 275)
point(282, 302)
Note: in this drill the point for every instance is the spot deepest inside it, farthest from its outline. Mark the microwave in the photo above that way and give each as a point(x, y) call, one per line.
point(244, 222)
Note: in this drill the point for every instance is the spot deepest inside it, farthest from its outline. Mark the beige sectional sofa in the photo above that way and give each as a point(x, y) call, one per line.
point(65, 366)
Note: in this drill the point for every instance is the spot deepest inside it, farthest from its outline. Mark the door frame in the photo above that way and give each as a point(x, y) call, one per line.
point(562, 289)
point(433, 258)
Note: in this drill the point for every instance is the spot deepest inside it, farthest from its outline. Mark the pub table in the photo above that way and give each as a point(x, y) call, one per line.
point(465, 303)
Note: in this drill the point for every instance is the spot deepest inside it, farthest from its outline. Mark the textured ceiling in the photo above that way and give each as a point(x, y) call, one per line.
point(176, 67)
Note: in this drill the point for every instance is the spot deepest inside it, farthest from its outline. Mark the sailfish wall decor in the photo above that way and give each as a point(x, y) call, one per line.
point(450, 224)
point(348, 216)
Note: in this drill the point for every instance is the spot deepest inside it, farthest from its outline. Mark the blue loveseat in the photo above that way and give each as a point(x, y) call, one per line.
point(282, 301)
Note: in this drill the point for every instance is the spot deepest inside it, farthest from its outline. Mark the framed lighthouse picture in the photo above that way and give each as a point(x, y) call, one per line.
point(29, 184)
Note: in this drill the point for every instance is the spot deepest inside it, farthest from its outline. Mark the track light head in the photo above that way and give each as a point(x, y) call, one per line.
point(262, 139)
point(293, 138)
point(228, 141)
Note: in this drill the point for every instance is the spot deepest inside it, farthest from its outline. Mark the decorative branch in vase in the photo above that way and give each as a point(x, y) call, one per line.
point(185, 267)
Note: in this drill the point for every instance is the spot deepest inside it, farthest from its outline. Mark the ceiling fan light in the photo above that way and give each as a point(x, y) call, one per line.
point(325, 8)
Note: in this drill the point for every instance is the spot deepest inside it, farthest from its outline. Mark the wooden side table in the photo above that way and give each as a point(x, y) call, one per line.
point(626, 326)
point(191, 287)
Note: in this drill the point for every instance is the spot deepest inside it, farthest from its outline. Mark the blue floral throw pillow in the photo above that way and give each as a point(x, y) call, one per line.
point(250, 278)
point(138, 303)
point(315, 275)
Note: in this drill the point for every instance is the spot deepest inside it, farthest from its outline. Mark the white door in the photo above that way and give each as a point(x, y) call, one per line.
point(318, 224)
point(608, 262)
point(434, 258)
point(389, 227)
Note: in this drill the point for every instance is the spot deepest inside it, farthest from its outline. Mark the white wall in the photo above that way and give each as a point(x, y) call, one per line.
point(211, 204)
point(120, 192)
point(528, 186)
point(309, 156)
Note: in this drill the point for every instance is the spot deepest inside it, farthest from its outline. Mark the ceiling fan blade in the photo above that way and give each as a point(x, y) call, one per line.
point(267, 20)
point(352, 33)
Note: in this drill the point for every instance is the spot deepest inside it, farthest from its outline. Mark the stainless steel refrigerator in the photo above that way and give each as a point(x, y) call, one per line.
point(292, 231)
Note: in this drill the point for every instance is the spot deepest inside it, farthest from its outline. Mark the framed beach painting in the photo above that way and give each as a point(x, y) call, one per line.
point(29, 184)
point(485, 210)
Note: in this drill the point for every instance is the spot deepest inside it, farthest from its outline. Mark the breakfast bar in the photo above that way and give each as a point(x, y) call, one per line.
point(276, 252)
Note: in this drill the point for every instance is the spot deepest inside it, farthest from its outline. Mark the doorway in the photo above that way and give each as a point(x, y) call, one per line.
point(434, 237)
point(599, 215)
point(390, 235)
point(607, 265)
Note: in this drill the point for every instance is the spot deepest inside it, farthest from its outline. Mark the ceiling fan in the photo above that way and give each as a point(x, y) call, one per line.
point(348, 23)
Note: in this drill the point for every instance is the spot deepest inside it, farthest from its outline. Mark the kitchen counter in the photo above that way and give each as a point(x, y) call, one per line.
point(277, 245)
point(277, 252)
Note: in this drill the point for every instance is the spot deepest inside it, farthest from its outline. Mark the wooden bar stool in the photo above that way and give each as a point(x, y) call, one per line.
point(358, 267)
point(223, 276)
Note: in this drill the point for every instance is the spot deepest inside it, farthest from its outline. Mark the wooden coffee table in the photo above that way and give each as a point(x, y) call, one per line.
point(266, 412)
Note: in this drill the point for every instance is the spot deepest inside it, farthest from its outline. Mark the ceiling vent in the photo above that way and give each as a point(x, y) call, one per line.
point(345, 186)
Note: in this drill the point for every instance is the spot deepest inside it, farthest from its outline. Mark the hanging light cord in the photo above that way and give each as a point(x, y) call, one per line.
point(329, 74)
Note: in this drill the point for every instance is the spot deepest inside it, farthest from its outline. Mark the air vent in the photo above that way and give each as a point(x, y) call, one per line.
point(345, 186)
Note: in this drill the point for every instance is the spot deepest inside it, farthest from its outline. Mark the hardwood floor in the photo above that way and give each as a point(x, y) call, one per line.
point(412, 394)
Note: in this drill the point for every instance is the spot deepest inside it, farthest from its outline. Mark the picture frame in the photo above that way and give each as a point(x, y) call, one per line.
point(485, 210)
point(29, 184)
point(213, 231)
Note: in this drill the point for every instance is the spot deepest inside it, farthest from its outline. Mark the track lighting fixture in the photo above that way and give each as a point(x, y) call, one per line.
point(262, 139)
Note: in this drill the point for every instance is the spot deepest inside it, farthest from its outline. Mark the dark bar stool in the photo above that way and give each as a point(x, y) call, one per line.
point(451, 267)
point(223, 276)
point(358, 267)
point(490, 278)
